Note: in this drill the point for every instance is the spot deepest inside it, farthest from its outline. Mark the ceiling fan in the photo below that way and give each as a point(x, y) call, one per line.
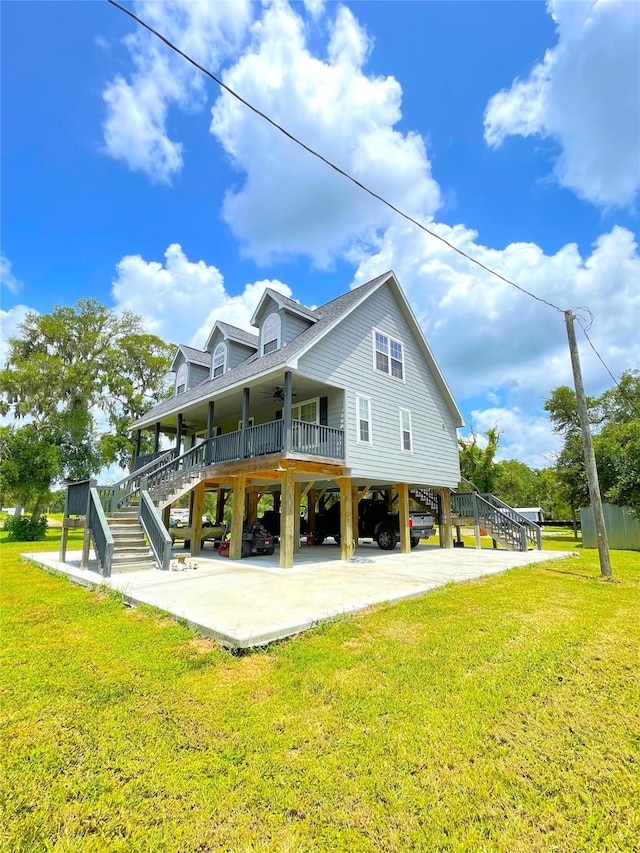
point(277, 394)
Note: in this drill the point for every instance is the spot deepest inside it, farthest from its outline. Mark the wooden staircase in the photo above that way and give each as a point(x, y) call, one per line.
point(131, 552)
point(503, 524)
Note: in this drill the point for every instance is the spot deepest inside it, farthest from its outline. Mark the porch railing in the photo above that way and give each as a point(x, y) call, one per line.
point(317, 440)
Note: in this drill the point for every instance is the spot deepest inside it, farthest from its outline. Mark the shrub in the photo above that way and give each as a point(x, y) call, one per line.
point(24, 529)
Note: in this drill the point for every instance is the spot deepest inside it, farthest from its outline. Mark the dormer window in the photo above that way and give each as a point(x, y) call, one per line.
point(181, 378)
point(219, 363)
point(270, 334)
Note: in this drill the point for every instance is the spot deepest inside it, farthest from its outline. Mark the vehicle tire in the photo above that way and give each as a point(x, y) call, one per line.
point(270, 550)
point(386, 539)
point(338, 539)
point(318, 540)
point(246, 549)
point(414, 542)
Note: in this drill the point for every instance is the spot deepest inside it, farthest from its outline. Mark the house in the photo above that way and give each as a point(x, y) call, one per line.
point(346, 397)
point(532, 513)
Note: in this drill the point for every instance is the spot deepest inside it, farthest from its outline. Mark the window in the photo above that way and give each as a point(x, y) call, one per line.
point(219, 363)
point(251, 422)
point(363, 419)
point(389, 355)
point(306, 411)
point(271, 334)
point(406, 439)
point(181, 378)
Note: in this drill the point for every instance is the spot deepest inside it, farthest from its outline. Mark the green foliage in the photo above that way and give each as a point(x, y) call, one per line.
point(25, 529)
point(477, 465)
point(67, 365)
point(30, 461)
point(495, 715)
point(615, 417)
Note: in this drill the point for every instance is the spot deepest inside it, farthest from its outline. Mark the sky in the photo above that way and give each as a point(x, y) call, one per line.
point(511, 129)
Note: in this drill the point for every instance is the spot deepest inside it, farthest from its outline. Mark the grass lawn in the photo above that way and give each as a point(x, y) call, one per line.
point(497, 715)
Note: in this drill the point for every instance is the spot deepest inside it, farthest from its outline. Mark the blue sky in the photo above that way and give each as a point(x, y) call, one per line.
point(512, 129)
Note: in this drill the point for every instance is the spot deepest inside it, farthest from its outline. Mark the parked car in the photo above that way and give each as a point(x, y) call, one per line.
point(374, 522)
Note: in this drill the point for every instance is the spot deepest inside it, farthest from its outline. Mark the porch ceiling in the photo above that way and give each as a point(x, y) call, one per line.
point(262, 405)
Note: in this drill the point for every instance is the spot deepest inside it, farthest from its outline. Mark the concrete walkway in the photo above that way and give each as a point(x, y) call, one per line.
point(253, 601)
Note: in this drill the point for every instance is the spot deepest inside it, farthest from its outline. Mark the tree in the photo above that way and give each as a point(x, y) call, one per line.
point(75, 365)
point(615, 417)
point(476, 462)
point(30, 461)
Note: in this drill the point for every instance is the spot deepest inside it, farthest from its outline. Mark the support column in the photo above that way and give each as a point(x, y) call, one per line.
point(403, 517)
point(156, 438)
point(208, 454)
point(296, 517)
point(197, 509)
point(244, 452)
point(346, 518)
point(166, 513)
point(86, 544)
point(287, 520)
point(221, 499)
point(252, 503)
point(355, 512)
point(138, 440)
point(446, 524)
point(286, 413)
point(179, 434)
point(237, 517)
point(311, 511)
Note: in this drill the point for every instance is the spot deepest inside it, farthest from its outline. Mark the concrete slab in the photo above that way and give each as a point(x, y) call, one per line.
point(253, 601)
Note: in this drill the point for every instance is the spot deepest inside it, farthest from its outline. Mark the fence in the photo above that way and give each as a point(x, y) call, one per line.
point(623, 529)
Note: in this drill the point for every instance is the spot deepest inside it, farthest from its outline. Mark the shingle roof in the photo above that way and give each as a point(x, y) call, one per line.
point(297, 306)
point(326, 316)
point(239, 335)
point(197, 356)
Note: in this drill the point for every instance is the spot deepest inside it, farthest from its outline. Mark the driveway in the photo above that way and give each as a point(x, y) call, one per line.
point(253, 601)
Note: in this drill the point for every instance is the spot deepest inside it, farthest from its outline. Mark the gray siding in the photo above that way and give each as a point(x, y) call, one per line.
point(344, 357)
point(197, 373)
point(292, 326)
point(237, 353)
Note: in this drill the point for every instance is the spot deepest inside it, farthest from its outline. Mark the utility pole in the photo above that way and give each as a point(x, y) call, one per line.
point(589, 456)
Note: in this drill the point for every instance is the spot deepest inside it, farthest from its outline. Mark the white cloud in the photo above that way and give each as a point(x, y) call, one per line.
point(135, 129)
point(488, 337)
point(523, 435)
point(7, 278)
point(289, 202)
point(9, 322)
point(585, 94)
point(181, 299)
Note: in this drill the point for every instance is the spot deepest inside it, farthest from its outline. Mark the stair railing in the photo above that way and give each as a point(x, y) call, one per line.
point(533, 532)
point(122, 492)
point(153, 526)
point(100, 533)
point(499, 523)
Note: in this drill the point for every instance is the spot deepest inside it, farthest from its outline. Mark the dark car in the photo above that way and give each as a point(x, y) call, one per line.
point(374, 522)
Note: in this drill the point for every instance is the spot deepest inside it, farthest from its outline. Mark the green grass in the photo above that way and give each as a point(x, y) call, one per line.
point(498, 715)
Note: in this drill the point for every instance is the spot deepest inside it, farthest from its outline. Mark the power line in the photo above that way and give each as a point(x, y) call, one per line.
point(321, 157)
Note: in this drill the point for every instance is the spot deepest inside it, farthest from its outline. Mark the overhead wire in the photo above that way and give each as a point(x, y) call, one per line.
point(328, 162)
point(225, 87)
